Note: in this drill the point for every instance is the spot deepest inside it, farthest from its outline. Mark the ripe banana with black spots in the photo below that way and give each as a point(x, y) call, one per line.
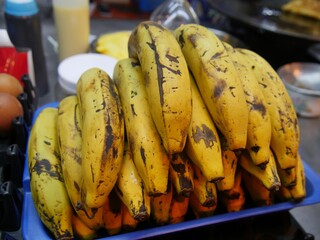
point(198, 209)
point(297, 192)
point(259, 122)
point(70, 142)
point(167, 81)
point(178, 208)
point(81, 230)
point(259, 194)
point(160, 206)
point(285, 138)
point(102, 135)
point(47, 184)
point(148, 152)
point(268, 176)
point(234, 199)
point(217, 80)
point(203, 143)
point(205, 191)
point(230, 163)
point(112, 214)
point(130, 188)
point(288, 177)
point(129, 224)
point(181, 174)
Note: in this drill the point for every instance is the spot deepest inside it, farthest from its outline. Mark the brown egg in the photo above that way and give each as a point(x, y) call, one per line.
point(10, 84)
point(10, 108)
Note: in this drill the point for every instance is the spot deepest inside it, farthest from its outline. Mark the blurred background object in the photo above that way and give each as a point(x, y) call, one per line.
point(72, 22)
point(302, 81)
point(23, 24)
point(279, 36)
point(173, 13)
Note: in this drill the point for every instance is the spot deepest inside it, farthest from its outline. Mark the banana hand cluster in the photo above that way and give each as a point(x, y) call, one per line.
point(186, 123)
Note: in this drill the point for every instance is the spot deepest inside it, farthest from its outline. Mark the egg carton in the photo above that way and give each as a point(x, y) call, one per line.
point(12, 159)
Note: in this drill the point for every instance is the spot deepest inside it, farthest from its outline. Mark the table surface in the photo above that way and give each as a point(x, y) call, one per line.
point(308, 217)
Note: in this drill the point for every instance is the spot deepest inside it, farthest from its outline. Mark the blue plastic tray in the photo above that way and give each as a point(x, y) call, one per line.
point(32, 227)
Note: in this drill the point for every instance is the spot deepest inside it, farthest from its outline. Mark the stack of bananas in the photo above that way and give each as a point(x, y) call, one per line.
point(186, 123)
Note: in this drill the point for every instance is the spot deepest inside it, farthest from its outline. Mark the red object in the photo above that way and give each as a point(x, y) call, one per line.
point(13, 62)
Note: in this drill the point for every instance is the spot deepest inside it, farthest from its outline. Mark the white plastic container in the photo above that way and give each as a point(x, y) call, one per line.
point(71, 68)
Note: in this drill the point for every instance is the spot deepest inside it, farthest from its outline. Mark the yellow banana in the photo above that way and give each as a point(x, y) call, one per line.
point(203, 143)
point(102, 135)
point(130, 189)
point(230, 163)
point(167, 81)
point(112, 214)
point(181, 174)
point(234, 199)
point(160, 206)
point(299, 192)
point(129, 224)
point(47, 185)
point(205, 191)
point(260, 195)
point(285, 138)
point(199, 210)
point(268, 176)
point(149, 155)
point(178, 209)
point(288, 177)
point(81, 230)
point(217, 80)
point(284, 194)
point(69, 135)
point(259, 122)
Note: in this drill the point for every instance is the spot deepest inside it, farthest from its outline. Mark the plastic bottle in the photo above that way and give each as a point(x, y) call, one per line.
point(24, 29)
point(72, 22)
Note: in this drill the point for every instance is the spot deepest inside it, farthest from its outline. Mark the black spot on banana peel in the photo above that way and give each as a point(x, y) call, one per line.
point(65, 235)
point(181, 39)
point(258, 106)
point(80, 207)
point(186, 186)
point(219, 89)
point(255, 149)
point(132, 110)
point(109, 137)
point(160, 67)
point(204, 133)
point(43, 166)
point(142, 214)
point(143, 155)
point(76, 121)
point(218, 55)
point(210, 198)
point(233, 196)
point(76, 185)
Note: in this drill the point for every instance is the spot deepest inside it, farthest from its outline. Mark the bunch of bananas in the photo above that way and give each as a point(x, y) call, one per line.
point(186, 124)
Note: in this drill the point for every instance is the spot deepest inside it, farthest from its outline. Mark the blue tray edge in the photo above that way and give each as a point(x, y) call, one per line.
point(32, 227)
